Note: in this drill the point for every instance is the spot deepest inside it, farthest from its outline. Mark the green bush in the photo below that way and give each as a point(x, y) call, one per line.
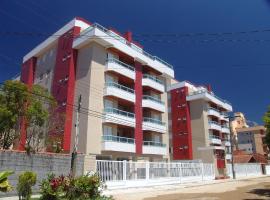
point(86, 187)
point(52, 188)
point(24, 187)
point(4, 184)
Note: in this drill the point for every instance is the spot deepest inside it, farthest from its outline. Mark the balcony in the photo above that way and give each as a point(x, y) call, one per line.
point(119, 91)
point(153, 82)
point(116, 143)
point(224, 117)
point(116, 116)
point(120, 68)
point(225, 129)
point(214, 125)
point(214, 139)
point(153, 103)
point(152, 124)
point(108, 38)
point(213, 112)
point(156, 148)
point(209, 96)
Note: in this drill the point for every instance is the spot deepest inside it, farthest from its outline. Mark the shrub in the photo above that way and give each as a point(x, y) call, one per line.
point(86, 187)
point(4, 184)
point(51, 188)
point(24, 187)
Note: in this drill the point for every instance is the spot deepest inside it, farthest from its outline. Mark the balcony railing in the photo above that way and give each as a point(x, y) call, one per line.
point(147, 97)
point(113, 138)
point(214, 137)
point(113, 60)
point(153, 143)
point(154, 121)
point(123, 40)
point(121, 87)
point(211, 93)
point(213, 122)
point(224, 126)
point(119, 112)
point(153, 78)
point(214, 109)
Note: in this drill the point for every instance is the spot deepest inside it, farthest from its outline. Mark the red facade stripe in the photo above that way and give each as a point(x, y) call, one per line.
point(138, 109)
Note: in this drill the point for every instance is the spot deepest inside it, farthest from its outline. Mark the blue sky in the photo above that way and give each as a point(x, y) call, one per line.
point(237, 66)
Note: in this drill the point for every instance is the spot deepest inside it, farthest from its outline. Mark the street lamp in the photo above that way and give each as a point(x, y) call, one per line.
point(232, 143)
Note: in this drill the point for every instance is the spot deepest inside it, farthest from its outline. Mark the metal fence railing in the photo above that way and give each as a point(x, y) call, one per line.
point(177, 172)
point(245, 170)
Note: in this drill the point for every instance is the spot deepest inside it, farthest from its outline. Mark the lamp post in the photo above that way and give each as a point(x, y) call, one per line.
point(232, 142)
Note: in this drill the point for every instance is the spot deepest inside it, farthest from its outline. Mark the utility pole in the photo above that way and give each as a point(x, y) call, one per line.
point(232, 143)
point(75, 147)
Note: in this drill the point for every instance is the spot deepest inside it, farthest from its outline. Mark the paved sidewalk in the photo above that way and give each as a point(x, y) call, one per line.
point(216, 186)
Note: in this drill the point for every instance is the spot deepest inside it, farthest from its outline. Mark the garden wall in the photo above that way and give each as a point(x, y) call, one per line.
point(42, 164)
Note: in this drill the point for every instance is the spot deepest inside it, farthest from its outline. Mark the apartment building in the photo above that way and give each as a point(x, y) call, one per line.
point(199, 125)
point(251, 140)
point(124, 113)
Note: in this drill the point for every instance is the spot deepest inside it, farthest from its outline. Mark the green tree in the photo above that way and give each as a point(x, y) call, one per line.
point(266, 119)
point(13, 97)
point(40, 109)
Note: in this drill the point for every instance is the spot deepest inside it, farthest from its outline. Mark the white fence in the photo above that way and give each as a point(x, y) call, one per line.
point(132, 174)
point(245, 170)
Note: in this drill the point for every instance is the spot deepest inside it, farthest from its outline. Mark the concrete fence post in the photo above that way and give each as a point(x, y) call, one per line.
point(180, 172)
point(147, 170)
point(124, 170)
point(202, 170)
point(89, 164)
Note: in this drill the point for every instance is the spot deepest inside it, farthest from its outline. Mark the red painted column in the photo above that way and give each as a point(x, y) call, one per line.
point(138, 109)
point(27, 77)
point(63, 91)
point(181, 125)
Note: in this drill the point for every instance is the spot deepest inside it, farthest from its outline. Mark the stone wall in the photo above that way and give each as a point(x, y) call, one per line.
point(42, 164)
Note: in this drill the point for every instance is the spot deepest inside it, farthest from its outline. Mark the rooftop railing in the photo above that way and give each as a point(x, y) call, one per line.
point(123, 40)
point(211, 93)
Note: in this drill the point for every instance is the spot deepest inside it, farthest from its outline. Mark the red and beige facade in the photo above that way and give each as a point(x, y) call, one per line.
point(124, 111)
point(199, 126)
point(131, 106)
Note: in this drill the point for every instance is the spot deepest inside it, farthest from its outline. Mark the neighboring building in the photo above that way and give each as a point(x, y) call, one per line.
point(199, 125)
point(251, 140)
point(240, 156)
point(124, 102)
point(239, 121)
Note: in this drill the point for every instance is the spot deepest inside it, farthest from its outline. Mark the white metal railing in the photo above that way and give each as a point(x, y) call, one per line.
point(214, 137)
point(154, 121)
point(245, 170)
point(123, 40)
point(213, 122)
point(119, 86)
point(211, 93)
point(114, 138)
point(153, 99)
point(119, 112)
point(113, 60)
point(153, 143)
point(214, 109)
point(153, 78)
point(129, 173)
